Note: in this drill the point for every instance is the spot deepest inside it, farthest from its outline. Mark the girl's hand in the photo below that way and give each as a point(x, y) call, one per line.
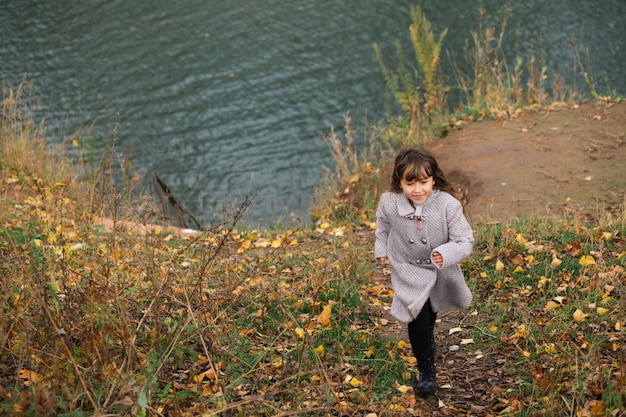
point(437, 258)
point(383, 260)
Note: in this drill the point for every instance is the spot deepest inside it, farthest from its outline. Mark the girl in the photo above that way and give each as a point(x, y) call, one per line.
point(424, 235)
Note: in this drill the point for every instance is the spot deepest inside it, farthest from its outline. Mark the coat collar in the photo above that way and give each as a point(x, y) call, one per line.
point(405, 209)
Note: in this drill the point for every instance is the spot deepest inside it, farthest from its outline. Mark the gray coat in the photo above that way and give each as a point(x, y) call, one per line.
point(414, 276)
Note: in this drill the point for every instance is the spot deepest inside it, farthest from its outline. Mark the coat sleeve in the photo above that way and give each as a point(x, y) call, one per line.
point(382, 229)
point(460, 236)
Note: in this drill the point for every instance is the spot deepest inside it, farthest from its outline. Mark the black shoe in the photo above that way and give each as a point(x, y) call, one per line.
point(425, 385)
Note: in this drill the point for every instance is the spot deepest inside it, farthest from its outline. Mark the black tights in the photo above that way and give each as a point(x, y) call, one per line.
point(421, 333)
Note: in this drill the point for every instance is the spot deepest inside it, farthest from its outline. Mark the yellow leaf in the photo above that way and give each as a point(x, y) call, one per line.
point(618, 326)
point(586, 260)
point(300, 332)
point(207, 391)
point(521, 332)
point(518, 269)
point(499, 265)
point(579, 315)
point(555, 262)
point(467, 341)
point(403, 345)
point(410, 360)
point(607, 235)
point(551, 306)
point(324, 225)
point(75, 142)
point(526, 354)
point(493, 329)
point(276, 243)
point(602, 311)
point(315, 378)
point(355, 382)
point(621, 255)
point(483, 274)
point(403, 388)
point(324, 317)
point(319, 350)
point(521, 238)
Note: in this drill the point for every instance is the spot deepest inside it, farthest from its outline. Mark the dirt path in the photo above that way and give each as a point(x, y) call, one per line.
point(546, 163)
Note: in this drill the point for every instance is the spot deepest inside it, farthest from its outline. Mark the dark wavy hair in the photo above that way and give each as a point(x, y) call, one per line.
point(416, 164)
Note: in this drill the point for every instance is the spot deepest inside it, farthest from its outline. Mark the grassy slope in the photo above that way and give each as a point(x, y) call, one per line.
point(288, 322)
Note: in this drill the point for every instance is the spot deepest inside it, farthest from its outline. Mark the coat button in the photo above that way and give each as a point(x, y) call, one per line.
point(427, 261)
point(411, 241)
point(418, 262)
point(423, 240)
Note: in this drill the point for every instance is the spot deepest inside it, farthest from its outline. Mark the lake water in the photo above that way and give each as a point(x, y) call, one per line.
point(228, 98)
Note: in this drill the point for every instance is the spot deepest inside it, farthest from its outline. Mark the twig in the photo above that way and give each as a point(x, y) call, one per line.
point(68, 352)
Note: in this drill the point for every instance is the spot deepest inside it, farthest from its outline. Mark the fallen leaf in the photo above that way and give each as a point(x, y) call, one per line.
point(579, 315)
point(403, 345)
point(551, 306)
point(455, 330)
point(586, 260)
point(29, 377)
point(602, 311)
point(555, 262)
point(324, 317)
point(403, 388)
point(355, 382)
point(499, 265)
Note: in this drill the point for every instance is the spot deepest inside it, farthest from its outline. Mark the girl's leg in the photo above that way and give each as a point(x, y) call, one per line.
point(421, 335)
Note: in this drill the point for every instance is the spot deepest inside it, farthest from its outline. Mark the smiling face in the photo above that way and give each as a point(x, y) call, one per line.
point(417, 190)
